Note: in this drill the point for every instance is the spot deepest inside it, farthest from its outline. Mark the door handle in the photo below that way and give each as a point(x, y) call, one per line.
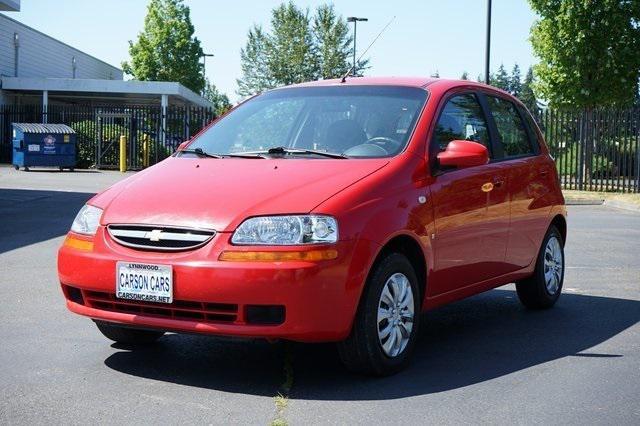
point(544, 172)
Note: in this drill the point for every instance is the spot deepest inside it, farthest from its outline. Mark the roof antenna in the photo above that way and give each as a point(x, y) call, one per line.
point(344, 77)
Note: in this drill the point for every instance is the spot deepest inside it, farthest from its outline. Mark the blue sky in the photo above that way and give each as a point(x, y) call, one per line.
point(426, 36)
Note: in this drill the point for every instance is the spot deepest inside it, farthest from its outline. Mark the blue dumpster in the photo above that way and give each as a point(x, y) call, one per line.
point(49, 145)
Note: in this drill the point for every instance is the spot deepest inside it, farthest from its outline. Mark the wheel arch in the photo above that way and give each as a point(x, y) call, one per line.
point(560, 222)
point(411, 248)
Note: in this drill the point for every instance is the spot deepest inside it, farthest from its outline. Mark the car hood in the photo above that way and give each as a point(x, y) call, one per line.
point(220, 193)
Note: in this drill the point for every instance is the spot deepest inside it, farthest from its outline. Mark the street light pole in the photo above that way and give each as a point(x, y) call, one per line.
point(204, 64)
point(355, 21)
point(487, 58)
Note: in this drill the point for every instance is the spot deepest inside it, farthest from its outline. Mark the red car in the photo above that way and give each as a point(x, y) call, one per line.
point(326, 211)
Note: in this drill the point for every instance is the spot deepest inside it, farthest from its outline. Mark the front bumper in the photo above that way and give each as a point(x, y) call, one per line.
point(319, 298)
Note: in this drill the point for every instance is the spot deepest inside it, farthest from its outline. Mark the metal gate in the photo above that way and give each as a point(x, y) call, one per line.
point(111, 126)
point(151, 131)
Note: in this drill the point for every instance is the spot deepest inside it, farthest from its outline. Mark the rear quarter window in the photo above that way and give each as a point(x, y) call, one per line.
point(513, 133)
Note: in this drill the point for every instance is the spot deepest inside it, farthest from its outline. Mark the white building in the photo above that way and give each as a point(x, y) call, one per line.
point(35, 67)
point(40, 75)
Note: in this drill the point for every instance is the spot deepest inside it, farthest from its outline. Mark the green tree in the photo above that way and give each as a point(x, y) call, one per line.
point(527, 95)
point(219, 100)
point(332, 41)
point(256, 76)
point(291, 51)
point(500, 79)
point(464, 76)
point(297, 48)
point(588, 51)
point(166, 49)
point(515, 81)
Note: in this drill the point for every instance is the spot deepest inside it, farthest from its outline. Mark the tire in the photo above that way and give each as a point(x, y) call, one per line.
point(128, 336)
point(540, 291)
point(367, 350)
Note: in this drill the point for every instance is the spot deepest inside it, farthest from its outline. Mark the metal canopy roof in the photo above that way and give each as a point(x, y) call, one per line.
point(93, 88)
point(43, 128)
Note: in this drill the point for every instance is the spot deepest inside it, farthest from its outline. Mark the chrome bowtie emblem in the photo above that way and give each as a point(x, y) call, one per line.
point(154, 235)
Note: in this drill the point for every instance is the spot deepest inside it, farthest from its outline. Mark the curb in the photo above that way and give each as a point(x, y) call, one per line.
point(583, 202)
point(622, 205)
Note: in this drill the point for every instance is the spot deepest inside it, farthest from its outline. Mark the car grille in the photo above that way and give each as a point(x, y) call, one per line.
point(162, 238)
point(179, 309)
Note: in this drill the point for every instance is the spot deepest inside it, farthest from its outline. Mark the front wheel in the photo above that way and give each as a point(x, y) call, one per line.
point(543, 288)
point(386, 324)
point(128, 336)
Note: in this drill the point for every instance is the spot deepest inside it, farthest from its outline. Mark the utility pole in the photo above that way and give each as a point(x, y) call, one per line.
point(488, 47)
point(355, 21)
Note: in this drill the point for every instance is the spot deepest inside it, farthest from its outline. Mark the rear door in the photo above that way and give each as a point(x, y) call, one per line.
point(471, 205)
point(528, 175)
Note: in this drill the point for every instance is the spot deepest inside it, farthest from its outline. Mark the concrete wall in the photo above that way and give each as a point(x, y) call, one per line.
point(42, 56)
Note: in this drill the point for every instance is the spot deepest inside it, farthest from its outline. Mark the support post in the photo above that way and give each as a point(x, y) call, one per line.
point(164, 104)
point(45, 105)
point(123, 153)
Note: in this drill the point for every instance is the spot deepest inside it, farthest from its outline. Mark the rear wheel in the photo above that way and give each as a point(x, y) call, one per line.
point(543, 288)
point(128, 336)
point(386, 324)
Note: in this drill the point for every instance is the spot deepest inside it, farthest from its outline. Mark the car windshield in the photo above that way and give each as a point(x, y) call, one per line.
point(349, 121)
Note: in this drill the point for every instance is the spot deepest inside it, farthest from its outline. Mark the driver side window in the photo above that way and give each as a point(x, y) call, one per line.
point(461, 119)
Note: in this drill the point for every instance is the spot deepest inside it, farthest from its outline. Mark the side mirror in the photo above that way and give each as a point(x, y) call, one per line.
point(462, 154)
point(183, 145)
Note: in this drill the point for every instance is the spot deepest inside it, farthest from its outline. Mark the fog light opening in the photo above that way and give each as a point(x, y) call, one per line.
point(73, 294)
point(265, 314)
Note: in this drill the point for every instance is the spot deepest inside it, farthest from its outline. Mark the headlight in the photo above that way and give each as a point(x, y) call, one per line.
point(87, 220)
point(286, 230)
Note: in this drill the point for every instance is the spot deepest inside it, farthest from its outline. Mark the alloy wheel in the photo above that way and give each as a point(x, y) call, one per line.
point(553, 265)
point(396, 314)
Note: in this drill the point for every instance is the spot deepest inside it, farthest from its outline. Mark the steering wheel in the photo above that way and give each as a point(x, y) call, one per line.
point(388, 144)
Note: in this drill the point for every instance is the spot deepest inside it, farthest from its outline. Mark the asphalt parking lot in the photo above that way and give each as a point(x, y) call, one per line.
point(482, 360)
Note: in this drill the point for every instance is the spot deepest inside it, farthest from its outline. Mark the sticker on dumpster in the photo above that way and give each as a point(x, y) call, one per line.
point(66, 138)
point(34, 148)
point(49, 144)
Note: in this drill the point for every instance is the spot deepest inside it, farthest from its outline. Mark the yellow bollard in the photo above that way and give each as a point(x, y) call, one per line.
point(145, 150)
point(123, 153)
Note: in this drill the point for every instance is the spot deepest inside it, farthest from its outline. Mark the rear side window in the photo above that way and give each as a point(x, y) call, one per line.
point(513, 134)
point(533, 126)
point(461, 119)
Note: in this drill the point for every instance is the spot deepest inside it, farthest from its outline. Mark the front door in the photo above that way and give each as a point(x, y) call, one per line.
point(471, 205)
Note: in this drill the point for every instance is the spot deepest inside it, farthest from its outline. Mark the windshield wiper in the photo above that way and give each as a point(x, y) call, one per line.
point(281, 150)
point(247, 155)
point(200, 153)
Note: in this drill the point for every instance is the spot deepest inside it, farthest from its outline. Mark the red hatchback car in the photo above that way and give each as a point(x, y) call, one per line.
point(326, 211)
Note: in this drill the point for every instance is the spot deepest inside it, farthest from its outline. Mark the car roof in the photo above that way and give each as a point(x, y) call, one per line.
point(420, 82)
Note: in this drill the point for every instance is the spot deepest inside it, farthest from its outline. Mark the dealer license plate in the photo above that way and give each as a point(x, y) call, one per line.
point(144, 282)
